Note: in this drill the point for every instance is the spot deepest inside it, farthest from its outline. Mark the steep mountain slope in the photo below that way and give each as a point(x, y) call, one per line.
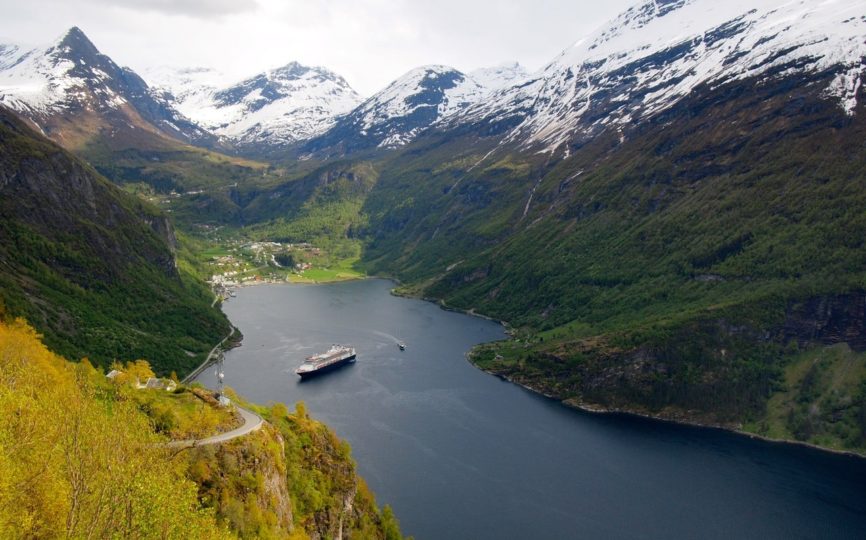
point(670, 266)
point(271, 109)
point(80, 458)
point(92, 267)
point(396, 115)
point(659, 51)
point(74, 94)
point(83, 455)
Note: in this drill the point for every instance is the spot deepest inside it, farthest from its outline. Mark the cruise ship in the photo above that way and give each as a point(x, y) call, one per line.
point(334, 357)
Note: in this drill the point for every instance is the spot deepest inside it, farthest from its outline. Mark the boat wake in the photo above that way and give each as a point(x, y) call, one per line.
point(387, 336)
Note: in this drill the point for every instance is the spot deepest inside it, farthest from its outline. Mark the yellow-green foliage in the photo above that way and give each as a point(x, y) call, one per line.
point(507, 164)
point(134, 371)
point(244, 480)
point(293, 479)
point(81, 456)
point(76, 461)
point(325, 488)
point(341, 270)
point(187, 413)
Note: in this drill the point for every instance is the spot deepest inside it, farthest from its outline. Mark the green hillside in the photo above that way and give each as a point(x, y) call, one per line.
point(674, 272)
point(92, 267)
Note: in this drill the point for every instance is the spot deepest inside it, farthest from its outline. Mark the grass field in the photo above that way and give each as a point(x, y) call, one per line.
point(343, 270)
point(214, 251)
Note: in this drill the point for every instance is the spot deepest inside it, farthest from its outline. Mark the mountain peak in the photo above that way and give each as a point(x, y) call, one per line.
point(53, 85)
point(421, 79)
point(76, 40)
point(429, 70)
point(74, 31)
point(292, 69)
point(296, 70)
point(395, 115)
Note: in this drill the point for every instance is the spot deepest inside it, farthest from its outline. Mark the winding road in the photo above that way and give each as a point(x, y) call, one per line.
point(207, 360)
point(252, 422)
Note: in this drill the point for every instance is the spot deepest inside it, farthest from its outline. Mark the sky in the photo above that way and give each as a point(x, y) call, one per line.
point(369, 42)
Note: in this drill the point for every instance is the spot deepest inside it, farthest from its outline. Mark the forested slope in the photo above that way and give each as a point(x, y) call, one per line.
point(672, 270)
point(105, 470)
point(92, 267)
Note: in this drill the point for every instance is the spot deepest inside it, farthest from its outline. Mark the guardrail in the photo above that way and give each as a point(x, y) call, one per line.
point(208, 361)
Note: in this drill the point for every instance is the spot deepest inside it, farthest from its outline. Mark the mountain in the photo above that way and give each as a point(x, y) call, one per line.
point(415, 101)
point(671, 224)
point(75, 94)
point(80, 98)
point(317, 109)
point(107, 115)
point(92, 267)
point(659, 51)
point(496, 77)
point(275, 108)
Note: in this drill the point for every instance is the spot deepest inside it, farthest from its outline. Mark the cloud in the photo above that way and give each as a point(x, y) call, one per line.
point(369, 42)
point(202, 9)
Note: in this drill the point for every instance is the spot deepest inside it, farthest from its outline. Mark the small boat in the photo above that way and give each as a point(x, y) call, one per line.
point(401, 345)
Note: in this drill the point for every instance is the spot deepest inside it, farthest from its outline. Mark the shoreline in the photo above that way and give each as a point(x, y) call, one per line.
point(441, 303)
point(584, 408)
point(254, 283)
point(471, 312)
point(602, 411)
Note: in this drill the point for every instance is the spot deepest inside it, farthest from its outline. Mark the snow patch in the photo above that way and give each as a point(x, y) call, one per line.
point(846, 86)
point(659, 51)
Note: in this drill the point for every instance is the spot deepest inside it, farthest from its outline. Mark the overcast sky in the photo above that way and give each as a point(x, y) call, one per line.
point(369, 42)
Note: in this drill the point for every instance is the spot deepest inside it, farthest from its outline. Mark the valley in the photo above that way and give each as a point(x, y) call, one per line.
point(731, 204)
point(667, 216)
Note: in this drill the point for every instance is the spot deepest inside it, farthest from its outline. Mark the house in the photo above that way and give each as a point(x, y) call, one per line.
point(154, 383)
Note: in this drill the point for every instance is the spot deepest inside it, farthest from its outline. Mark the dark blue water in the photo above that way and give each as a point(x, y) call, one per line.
point(460, 454)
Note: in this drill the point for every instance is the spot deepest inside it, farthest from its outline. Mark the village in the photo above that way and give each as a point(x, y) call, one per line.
point(237, 263)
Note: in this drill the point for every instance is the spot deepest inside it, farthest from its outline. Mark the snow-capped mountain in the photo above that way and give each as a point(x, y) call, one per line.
point(277, 107)
point(184, 84)
point(417, 100)
point(659, 51)
point(496, 77)
point(70, 89)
